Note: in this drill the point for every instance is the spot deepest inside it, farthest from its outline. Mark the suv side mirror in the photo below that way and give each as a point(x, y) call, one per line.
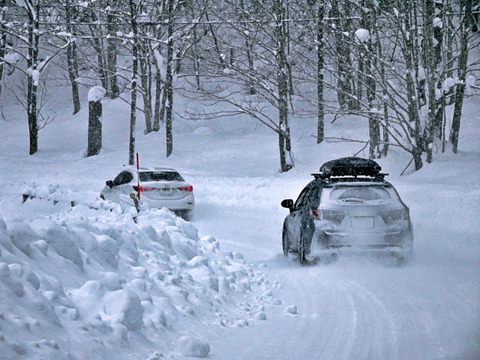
point(109, 183)
point(287, 203)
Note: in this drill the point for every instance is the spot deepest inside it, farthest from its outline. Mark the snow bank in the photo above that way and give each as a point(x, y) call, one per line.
point(87, 281)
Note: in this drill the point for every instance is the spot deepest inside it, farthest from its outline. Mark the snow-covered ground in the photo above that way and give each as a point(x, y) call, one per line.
point(87, 282)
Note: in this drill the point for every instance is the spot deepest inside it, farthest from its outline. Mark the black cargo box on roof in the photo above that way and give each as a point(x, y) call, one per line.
point(350, 166)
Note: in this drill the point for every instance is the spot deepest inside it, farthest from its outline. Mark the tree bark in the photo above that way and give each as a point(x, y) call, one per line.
point(282, 85)
point(344, 89)
point(3, 41)
point(133, 98)
point(462, 72)
point(32, 82)
point(72, 58)
point(113, 89)
point(220, 55)
point(94, 128)
point(320, 70)
point(370, 84)
point(248, 50)
point(431, 77)
point(169, 81)
point(145, 76)
point(158, 94)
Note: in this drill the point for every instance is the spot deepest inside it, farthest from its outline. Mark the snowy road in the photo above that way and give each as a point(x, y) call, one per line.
point(352, 309)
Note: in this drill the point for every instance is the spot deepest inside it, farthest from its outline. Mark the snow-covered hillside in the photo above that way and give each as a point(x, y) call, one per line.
point(89, 282)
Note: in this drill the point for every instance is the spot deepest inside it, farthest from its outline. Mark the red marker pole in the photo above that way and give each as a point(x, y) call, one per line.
point(138, 179)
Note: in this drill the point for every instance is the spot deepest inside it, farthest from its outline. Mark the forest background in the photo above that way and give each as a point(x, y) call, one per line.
point(402, 65)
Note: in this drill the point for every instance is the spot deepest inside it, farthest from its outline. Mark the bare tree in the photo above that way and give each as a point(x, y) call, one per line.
point(133, 91)
point(3, 41)
point(465, 27)
point(72, 60)
point(33, 11)
point(112, 14)
point(169, 80)
point(340, 24)
point(320, 19)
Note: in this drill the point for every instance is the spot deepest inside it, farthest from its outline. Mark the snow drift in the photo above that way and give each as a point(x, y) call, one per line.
point(97, 282)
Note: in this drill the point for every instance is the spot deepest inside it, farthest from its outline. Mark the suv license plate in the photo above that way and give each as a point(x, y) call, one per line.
point(362, 222)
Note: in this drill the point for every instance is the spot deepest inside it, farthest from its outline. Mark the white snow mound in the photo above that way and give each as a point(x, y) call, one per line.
point(193, 347)
point(83, 281)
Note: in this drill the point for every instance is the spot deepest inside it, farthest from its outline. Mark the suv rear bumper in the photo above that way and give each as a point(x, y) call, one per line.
point(398, 240)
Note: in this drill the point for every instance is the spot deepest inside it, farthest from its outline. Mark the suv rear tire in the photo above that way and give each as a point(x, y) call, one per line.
point(285, 241)
point(302, 250)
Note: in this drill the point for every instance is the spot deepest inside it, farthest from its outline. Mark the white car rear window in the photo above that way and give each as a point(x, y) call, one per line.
point(160, 176)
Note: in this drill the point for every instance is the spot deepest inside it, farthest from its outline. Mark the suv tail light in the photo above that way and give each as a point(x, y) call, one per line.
point(188, 188)
point(335, 216)
point(391, 216)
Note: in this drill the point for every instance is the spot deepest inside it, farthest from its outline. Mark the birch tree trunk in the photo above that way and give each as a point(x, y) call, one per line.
point(3, 41)
point(344, 73)
point(411, 68)
point(462, 72)
point(33, 9)
point(158, 94)
point(370, 83)
point(431, 76)
point(169, 81)
point(112, 50)
point(72, 57)
point(146, 81)
point(282, 85)
point(248, 51)
point(94, 141)
point(133, 94)
point(320, 71)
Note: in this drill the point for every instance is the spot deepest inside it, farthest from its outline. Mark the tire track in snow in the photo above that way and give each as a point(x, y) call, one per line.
point(351, 321)
point(380, 340)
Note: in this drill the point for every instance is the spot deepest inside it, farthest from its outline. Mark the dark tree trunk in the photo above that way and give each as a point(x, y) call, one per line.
point(158, 95)
point(145, 76)
point(430, 69)
point(320, 70)
point(113, 90)
point(158, 116)
point(344, 89)
point(215, 43)
point(462, 72)
point(411, 64)
point(99, 51)
point(72, 58)
point(94, 128)
point(133, 99)
point(370, 84)
point(248, 50)
point(32, 82)
point(169, 81)
point(282, 84)
point(3, 41)
point(385, 126)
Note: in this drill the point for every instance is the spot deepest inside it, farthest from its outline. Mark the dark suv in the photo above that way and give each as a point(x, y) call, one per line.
point(348, 206)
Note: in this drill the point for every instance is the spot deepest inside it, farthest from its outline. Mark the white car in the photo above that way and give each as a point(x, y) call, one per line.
point(159, 187)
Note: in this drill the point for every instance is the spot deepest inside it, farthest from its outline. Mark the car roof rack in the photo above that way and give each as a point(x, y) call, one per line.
point(350, 168)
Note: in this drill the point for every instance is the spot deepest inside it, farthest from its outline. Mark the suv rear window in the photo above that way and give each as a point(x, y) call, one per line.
point(160, 176)
point(359, 194)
